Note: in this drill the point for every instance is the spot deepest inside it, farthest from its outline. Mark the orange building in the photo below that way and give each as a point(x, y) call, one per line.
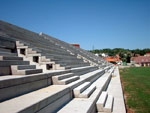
point(113, 59)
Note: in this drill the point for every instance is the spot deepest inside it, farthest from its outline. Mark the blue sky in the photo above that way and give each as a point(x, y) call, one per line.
point(98, 23)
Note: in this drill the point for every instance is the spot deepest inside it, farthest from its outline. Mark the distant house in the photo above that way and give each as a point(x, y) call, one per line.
point(141, 60)
point(147, 54)
point(104, 55)
point(96, 54)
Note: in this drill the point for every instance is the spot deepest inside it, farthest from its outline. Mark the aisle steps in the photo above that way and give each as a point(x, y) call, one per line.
point(105, 103)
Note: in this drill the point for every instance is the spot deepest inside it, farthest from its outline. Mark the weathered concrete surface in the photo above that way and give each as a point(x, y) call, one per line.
point(11, 86)
point(37, 100)
point(101, 101)
point(77, 91)
point(115, 89)
point(109, 104)
point(82, 105)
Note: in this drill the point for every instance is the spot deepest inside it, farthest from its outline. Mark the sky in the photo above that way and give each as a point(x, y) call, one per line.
point(94, 24)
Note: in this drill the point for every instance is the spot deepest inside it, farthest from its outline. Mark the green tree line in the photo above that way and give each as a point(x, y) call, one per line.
point(125, 54)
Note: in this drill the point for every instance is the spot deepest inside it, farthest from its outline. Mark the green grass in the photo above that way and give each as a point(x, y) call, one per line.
point(136, 82)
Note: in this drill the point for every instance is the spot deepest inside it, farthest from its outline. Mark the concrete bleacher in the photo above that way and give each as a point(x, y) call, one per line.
point(41, 74)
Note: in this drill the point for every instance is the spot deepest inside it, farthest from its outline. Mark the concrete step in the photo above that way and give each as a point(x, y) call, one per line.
point(44, 59)
point(44, 100)
point(82, 105)
point(64, 59)
point(22, 47)
point(64, 76)
point(59, 56)
point(5, 50)
point(54, 52)
point(87, 92)
point(31, 55)
point(77, 91)
point(91, 76)
point(68, 80)
point(19, 44)
point(22, 67)
point(57, 78)
point(83, 70)
point(30, 51)
point(65, 65)
point(13, 62)
point(109, 104)
point(19, 84)
point(70, 60)
point(101, 101)
point(32, 71)
point(62, 52)
point(53, 49)
point(78, 65)
point(8, 54)
point(10, 58)
point(27, 71)
point(103, 81)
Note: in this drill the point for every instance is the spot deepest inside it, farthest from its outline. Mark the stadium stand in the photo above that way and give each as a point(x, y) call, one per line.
point(41, 74)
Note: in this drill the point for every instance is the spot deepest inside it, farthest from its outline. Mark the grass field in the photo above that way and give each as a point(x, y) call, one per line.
point(136, 85)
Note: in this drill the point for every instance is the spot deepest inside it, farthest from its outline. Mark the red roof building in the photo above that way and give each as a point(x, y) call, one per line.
point(147, 54)
point(141, 60)
point(76, 45)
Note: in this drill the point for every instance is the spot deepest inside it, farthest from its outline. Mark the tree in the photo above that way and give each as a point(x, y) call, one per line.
point(125, 54)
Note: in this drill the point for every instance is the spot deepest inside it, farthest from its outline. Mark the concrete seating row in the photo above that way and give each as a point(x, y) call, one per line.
point(90, 103)
point(52, 97)
point(75, 50)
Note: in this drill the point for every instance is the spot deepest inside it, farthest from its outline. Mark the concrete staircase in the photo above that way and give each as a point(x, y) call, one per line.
point(16, 66)
point(105, 103)
point(87, 92)
point(41, 74)
point(24, 70)
point(36, 58)
point(42, 96)
point(11, 64)
point(87, 96)
point(64, 79)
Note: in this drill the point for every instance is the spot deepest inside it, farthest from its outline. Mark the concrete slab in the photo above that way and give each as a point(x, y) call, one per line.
point(82, 105)
point(115, 89)
point(101, 101)
point(77, 91)
point(87, 92)
point(34, 101)
point(109, 104)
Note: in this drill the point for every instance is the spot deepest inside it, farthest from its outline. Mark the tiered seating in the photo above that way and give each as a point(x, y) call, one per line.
point(50, 50)
point(86, 96)
point(91, 58)
point(47, 75)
